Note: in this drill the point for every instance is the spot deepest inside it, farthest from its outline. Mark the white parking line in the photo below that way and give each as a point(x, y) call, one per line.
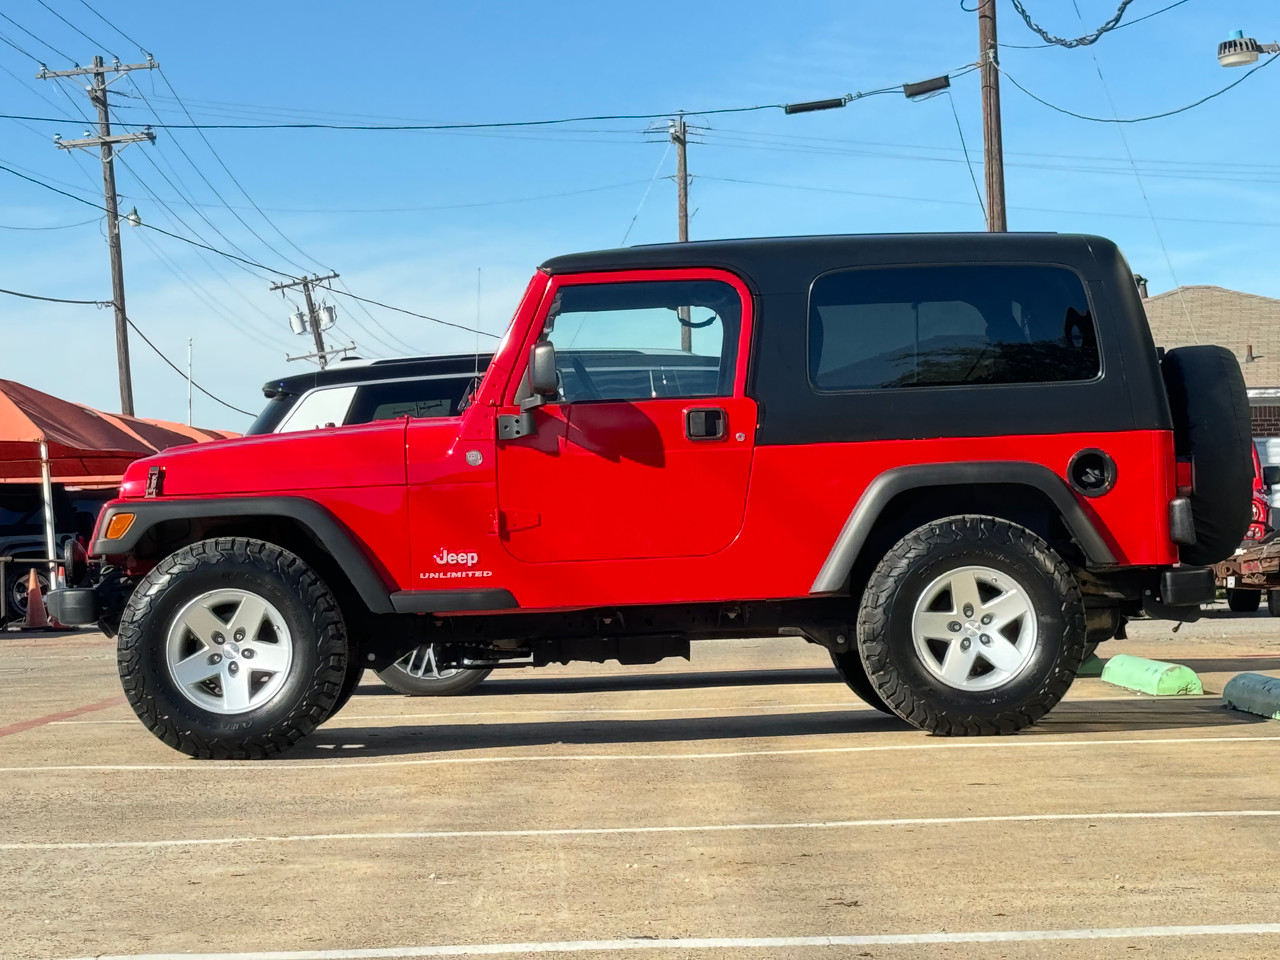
point(724, 943)
point(613, 831)
point(339, 763)
point(831, 707)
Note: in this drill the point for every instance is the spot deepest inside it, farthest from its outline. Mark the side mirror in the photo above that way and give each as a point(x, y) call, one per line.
point(1271, 476)
point(542, 370)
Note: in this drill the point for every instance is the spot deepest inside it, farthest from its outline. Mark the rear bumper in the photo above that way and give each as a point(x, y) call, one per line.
point(1187, 586)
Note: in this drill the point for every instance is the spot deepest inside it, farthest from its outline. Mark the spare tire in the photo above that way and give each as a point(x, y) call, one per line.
point(1211, 426)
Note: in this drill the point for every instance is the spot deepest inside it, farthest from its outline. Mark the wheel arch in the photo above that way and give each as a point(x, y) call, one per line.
point(903, 498)
point(294, 523)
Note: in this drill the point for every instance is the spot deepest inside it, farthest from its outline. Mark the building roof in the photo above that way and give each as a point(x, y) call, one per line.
point(1204, 314)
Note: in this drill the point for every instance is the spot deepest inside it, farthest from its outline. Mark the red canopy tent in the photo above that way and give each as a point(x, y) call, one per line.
point(47, 440)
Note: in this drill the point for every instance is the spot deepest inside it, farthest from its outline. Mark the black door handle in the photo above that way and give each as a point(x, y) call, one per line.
point(706, 423)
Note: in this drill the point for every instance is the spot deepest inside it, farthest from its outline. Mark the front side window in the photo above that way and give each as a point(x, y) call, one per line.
point(950, 325)
point(644, 340)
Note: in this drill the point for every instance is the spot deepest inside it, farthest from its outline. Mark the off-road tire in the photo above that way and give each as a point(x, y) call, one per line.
point(351, 680)
point(1245, 601)
point(454, 686)
point(849, 665)
point(1273, 602)
point(316, 629)
point(888, 652)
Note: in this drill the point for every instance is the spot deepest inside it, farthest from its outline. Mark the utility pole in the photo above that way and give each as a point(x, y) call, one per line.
point(190, 343)
point(679, 132)
point(993, 149)
point(321, 356)
point(107, 142)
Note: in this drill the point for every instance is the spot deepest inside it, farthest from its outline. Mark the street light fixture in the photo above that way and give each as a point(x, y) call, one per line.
point(1240, 51)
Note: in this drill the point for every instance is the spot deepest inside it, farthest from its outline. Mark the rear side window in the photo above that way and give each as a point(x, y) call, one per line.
point(435, 397)
point(872, 329)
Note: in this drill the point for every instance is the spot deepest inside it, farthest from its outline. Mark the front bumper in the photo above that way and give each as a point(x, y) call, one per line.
point(73, 606)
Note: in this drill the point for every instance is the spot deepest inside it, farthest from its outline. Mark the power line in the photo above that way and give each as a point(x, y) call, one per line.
point(1154, 116)
point(73, 26)
point(1078, 41)
point(964, 203)
point(115, 28)
point(460, 126)
point(61, 226)
point(963, 146)
point(43, 43)
point(422, 316)
point(181, 373)
point(1118, 26)
point(147, 226)
point(35, 296)
point(1155, 224)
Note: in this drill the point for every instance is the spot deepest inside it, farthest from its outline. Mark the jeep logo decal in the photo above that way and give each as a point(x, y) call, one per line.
point(447, 558)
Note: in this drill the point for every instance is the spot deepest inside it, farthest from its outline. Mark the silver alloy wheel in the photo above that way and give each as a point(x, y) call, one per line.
point(420, 663)
point(229, 651)
point(974, 628)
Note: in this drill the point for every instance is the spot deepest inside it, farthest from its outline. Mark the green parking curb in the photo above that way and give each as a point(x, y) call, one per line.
point(1155, 677)
point(1253, 693)
point(1092, 666)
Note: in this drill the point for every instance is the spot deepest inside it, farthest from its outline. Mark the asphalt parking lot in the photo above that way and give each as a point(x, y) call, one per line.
point(742, 804)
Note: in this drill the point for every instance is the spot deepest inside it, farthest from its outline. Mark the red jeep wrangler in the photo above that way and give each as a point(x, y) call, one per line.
point(953, 460)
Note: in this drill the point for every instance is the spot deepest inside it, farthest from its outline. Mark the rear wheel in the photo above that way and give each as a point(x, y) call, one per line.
point(1273, 602)
point(1245, 601)
point(417, 674)
point(971, 625)
point(232, 649)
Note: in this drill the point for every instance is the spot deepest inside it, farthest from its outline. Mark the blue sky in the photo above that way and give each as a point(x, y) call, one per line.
point(409, 218)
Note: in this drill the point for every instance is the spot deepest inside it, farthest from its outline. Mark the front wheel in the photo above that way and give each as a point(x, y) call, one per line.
point(417, 674)
point(971, 625)
point(232, 649)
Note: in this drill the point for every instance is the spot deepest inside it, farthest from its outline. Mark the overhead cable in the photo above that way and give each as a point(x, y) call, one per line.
point(1078, 41)
point(214, 397)
point(1118, 26)
point(36, 296)
point(1153, 116)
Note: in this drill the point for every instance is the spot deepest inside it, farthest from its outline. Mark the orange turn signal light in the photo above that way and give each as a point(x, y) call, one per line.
point(118, 526)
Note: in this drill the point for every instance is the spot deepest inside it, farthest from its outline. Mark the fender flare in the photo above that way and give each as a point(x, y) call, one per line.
point(853, 536)
point(318, 522)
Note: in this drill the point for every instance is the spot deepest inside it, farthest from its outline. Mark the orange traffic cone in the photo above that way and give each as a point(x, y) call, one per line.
point(36, 618)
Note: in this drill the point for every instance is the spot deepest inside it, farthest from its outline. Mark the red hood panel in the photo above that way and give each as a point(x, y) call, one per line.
point(360, 456)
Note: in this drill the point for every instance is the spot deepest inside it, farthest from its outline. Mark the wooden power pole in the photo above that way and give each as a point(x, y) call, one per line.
point(993, 149)
point(680, 137)
point(322, 354)
point(108, 142)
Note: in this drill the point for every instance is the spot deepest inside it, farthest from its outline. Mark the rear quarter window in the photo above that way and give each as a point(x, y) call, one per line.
point(907, 327)
point(422, 398)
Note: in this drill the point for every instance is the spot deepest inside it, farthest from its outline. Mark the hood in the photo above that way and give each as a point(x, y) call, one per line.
point(367, 455)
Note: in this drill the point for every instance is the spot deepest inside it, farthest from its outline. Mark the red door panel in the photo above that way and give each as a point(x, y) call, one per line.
point(624, 481)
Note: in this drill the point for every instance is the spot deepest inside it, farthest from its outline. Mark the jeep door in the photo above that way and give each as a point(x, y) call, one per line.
point(646, 451)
